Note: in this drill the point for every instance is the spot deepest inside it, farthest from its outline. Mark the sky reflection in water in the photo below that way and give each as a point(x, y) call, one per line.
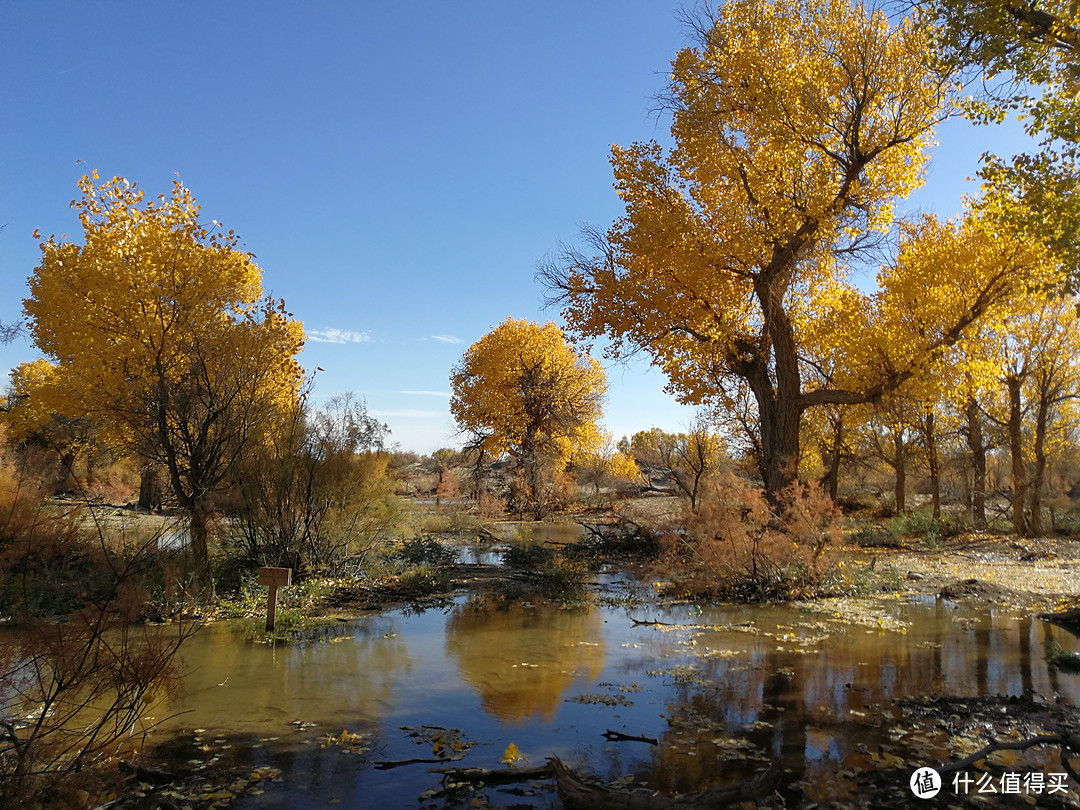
point(745, 684)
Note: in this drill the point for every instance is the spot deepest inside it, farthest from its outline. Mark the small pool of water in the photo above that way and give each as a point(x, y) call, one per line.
point(539, 533)
point(721, 689)
point(485, 552)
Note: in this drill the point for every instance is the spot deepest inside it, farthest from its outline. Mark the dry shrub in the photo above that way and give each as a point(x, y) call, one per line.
point(738, 545)
point(449, 489)
point(564, 490)
point(115, 481)
point(490, 505)
point(77, 671)
point(75, 693)
point(318, 496)
point(20, 496)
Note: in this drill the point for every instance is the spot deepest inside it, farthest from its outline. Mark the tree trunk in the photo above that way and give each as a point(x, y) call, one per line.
point(196, 501)
point(901, 471)
point(779, 440)
point(780, 403)
point(978, 464)
point(67, 464)
point(150, 494)
point(1019, 473)
point(529, 464)
point(478, 475)
point(831, 460)
point(930, 429)
point(199, 528)
point(1038, 478)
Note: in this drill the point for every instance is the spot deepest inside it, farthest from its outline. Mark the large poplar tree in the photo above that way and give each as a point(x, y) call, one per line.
point(159, 330)
point(523, 391)
point(796, 126)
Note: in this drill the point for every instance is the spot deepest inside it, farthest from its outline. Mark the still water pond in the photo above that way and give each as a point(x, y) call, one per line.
point(721, 689)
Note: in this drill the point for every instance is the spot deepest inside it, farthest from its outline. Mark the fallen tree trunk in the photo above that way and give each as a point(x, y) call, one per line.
point(577, 794)
point(495, 776)
point(385, 765)
point(618, 736)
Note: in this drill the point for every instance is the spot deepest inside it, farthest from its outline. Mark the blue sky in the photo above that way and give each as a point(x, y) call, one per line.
point(398, 168)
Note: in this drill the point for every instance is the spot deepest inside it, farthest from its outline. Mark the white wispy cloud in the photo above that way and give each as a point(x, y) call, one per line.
point(447, 339)
point(333, 335)
point(427, 393)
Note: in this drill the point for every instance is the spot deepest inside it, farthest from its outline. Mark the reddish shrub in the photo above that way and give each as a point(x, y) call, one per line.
point(738, 545)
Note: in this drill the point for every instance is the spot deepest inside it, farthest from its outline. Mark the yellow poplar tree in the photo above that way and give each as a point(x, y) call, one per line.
point(606, 465)
point(1032, 352)
point(35, 415)
point(796, 126)
point(522, 390)
point(925, 326)
point(159, 329)
point(1054, 389)
point(1030, 53)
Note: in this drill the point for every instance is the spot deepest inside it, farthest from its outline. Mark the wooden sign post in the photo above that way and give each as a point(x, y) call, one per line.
point(273, 578)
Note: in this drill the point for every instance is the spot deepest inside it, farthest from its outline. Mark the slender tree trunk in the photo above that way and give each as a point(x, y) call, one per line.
point(1039, 476)
point(1019, 473)
point(478, 475)
point(930, 429)
point(531, 467)
point(831, 460)
point(978, 464)
point(900, 466)
point(196, 501)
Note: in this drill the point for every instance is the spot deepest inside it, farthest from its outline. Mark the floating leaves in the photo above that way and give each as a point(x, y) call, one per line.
point(600, 697)
point(511, 756)
point(347, 741)
point(446, 743)
point(868, 613)
point(681, 674)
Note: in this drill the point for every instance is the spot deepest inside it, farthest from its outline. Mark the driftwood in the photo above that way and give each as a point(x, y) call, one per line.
point(654, 623)
point(387, 764)
point(618, 736)
point(489, 535)
point(149, 776)
point(577, 794)
point(1067, 743)
point(495, 776)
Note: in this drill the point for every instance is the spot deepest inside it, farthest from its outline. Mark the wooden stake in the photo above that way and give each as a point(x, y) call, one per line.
point(271, 608)
point(273, 578)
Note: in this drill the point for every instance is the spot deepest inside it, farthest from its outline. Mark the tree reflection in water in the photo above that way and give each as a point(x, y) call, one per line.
point(522, 661)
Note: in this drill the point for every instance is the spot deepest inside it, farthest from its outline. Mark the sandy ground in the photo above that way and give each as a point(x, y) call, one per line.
point(1042, 573)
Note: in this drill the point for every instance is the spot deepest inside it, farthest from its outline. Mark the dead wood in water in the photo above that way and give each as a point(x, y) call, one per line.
point(1069, 746)
point(494, 776)
point(387, 764)
point(653, 623)
point(577, 794)
point(490, 536)
point(618, 736)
